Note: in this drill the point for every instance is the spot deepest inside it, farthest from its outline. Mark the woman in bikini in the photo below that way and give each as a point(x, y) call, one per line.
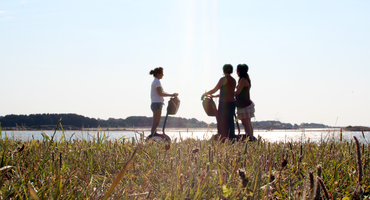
point(245, 106)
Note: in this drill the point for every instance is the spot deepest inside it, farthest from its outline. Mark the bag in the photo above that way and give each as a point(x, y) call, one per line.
point(209, 106)
point(173, 106)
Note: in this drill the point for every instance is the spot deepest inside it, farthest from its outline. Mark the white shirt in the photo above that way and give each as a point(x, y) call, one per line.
point(156, 98)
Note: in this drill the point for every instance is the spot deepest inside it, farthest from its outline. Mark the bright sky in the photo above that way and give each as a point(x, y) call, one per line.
point(309, 61)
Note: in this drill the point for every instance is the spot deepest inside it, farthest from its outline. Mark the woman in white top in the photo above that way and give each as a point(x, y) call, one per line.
point(157, 95)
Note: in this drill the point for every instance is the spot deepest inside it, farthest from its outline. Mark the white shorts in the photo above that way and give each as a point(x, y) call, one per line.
point(246, 112)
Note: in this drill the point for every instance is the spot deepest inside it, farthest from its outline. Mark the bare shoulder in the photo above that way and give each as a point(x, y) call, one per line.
point(222, 81)
point(244, 82)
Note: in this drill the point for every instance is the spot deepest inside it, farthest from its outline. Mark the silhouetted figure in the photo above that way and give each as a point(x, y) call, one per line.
point(226, 104)
point(244, 104)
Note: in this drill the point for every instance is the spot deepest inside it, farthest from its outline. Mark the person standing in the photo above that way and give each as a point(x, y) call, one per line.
point(157, 99)
point(226, 104)
point(245, 106)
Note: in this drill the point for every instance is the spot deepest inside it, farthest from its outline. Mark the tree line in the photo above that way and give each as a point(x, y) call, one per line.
point(74, 121)
point(77, 122)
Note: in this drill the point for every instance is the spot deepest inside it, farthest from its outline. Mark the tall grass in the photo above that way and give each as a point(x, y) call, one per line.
point(188, 169)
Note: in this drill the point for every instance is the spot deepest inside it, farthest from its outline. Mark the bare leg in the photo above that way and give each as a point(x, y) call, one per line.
point(156, 118)
point(248, 127)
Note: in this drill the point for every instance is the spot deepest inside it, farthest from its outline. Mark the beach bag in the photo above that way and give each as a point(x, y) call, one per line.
point(173, 105)
point(209, 106)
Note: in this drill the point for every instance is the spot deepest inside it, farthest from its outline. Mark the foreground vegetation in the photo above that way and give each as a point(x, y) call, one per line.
point(186, 169)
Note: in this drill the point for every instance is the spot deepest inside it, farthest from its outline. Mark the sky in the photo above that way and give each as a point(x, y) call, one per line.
point(309, 61)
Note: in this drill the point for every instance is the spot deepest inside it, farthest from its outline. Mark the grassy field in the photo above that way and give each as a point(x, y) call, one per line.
point(185, 169)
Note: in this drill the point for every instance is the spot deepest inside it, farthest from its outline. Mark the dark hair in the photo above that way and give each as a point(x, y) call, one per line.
point(243, 72)
point(228, 69)
point(158, 70)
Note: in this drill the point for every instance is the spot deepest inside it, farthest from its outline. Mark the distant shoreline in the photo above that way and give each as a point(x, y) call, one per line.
point(356, 128)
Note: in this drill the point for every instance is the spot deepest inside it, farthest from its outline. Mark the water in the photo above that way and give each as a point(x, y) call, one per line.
point(302, 135)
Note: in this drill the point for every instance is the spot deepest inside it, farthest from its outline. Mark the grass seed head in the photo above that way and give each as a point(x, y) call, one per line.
point(319, 170)
point(359, 162)
point(312, 183)
point(167, 146)
point(272, 178)
point(284, 163)
point(242, 175)
point(182, 179)
point(326, 192)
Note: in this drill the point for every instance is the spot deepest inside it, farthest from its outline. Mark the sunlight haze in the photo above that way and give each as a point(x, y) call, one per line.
point(309, 61)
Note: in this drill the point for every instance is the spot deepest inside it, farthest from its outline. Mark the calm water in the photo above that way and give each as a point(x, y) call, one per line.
point(314, 135)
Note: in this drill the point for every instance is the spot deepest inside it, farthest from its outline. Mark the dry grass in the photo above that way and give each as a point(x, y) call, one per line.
point(188, 169)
